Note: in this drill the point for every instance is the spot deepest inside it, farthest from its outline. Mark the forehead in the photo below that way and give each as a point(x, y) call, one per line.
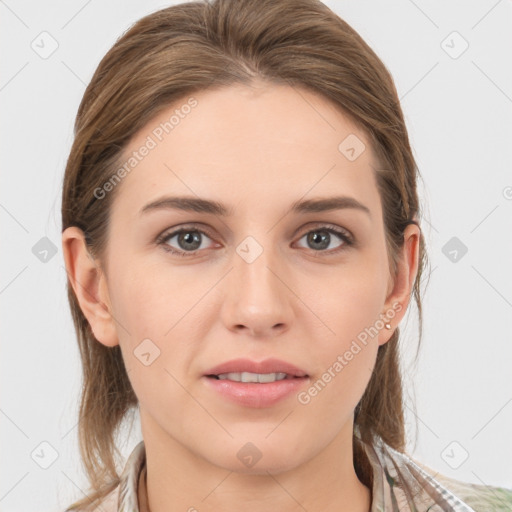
point(264, 142)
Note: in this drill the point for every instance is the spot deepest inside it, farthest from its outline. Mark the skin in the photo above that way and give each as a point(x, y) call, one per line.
point(256, 149)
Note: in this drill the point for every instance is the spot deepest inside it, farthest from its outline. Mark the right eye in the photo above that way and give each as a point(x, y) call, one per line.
point(188, 239)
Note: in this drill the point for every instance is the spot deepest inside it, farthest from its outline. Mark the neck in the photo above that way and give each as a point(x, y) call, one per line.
point(327, 482)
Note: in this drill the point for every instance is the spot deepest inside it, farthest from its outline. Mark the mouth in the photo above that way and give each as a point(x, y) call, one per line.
point(256, 384)
point(249, 377)
point(247, 370)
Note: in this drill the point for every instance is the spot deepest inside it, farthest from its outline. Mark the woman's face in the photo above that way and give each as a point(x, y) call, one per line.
point(258, 280)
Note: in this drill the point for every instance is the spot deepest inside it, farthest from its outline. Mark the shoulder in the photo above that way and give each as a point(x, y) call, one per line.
point(481, 498)
point(402, 479)
point(108, 504)
point(124, 496)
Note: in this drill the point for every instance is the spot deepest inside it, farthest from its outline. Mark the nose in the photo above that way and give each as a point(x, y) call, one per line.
point(258, 298)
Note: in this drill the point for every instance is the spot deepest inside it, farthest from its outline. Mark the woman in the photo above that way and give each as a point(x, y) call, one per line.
point(241, 235)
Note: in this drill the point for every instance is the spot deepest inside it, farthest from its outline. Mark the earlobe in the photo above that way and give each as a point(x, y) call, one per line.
point(90, 286)
point(403, 282)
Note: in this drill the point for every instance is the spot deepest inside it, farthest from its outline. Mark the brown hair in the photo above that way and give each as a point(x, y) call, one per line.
point(165, 57)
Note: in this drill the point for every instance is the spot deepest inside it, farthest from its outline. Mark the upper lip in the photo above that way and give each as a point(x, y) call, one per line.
point(271, 365)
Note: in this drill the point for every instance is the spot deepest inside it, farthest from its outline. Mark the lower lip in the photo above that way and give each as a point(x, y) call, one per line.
point(258, 395)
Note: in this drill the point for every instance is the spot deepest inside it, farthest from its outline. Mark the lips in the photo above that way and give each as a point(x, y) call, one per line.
point(271, 365)
point(238, 385)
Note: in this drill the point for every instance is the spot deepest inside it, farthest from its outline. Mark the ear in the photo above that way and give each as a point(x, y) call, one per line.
point(90, 286)
point(401, 285)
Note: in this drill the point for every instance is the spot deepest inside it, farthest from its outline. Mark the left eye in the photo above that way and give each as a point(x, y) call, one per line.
point(320, 238)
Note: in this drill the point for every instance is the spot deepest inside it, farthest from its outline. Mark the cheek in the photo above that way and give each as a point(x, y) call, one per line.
point(345, 355)
point(151, 320)
point(352, 299)
point(158, 317)
point(350, 309)
point(150, 300)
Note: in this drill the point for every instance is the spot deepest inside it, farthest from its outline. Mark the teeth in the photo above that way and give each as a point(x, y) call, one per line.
point(252, 377)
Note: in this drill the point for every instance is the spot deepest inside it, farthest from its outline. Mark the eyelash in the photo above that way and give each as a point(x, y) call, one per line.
point(165, 237)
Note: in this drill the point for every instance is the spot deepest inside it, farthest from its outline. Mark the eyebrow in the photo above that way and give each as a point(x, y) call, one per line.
point(198, 205)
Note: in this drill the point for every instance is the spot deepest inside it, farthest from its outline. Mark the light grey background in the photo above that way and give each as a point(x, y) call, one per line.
point(459, 113)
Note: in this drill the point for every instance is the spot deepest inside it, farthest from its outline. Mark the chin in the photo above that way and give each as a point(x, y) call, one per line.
point(249, 459)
